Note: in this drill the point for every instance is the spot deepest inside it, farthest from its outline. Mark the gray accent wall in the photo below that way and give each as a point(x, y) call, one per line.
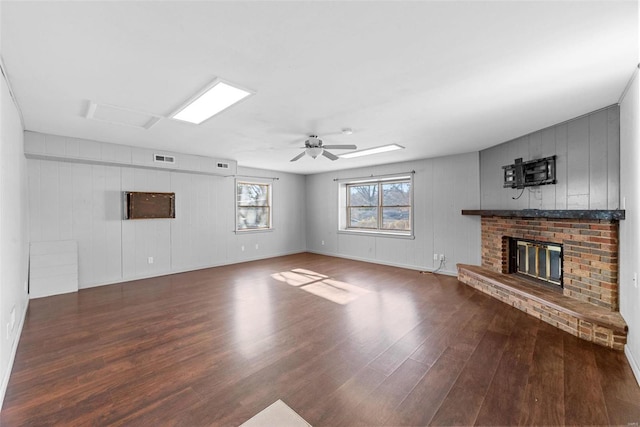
point(587, 165)
point(442, 188)
point(72, 200)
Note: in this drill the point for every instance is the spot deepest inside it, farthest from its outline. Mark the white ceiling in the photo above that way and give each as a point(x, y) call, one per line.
point(436, 77)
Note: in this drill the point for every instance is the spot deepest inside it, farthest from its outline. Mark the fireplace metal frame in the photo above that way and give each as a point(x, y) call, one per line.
point(513, 262)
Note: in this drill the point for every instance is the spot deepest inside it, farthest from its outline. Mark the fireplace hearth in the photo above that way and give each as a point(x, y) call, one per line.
point(575, 253)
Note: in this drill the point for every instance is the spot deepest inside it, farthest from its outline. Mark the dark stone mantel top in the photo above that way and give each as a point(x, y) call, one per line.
point(615, 215)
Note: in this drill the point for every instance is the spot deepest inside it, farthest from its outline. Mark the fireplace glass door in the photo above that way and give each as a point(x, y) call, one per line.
point(540, 260)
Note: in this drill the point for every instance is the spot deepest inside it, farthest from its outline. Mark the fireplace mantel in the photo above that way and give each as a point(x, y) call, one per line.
point(611, 215)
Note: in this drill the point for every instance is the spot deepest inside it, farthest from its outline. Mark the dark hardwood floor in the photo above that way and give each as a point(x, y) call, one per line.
point(216, 346)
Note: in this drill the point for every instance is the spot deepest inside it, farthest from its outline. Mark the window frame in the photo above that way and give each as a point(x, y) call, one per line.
point(268, 206)
point(346, 207)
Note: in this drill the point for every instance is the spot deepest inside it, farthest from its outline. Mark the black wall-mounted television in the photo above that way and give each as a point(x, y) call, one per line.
point(145, 205)
point(531, 173)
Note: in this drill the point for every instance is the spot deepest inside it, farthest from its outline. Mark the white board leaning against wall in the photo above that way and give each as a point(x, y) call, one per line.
point(53, 268)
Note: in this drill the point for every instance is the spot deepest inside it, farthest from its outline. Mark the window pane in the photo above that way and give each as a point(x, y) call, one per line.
point(396, 219)
point(250, 217)
point(253, 194)
point(363, 195)
point(363, 218)
point(396, 194)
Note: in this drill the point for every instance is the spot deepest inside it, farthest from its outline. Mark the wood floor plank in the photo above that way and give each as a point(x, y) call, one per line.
point(337, 408)
point(216, 346)
point(448, 332)
point(616, 379)
point(392, 391)
point(462, 404)
point(421, 404)
point(503, 401)
point(544, 394)
point(582, 382)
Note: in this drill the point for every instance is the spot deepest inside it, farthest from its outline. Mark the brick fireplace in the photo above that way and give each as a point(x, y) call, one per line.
point(587, 303)
point(590, 259)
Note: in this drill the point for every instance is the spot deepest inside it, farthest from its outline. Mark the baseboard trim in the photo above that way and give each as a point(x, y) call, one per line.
point(12, 357)
point(635, 367)
point(391, 264)
point(187, 269)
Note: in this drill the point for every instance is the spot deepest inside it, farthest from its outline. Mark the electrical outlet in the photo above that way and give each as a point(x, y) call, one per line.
point(435, 257)
point(256, 246)
point(12, 318)
point(323, 243)
point(242, 248)
point(635, 280)
point(442, 257)
point(150, 260)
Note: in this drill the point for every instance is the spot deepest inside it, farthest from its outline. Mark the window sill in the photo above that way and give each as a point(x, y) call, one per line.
point(253, 230)
point(378, 234)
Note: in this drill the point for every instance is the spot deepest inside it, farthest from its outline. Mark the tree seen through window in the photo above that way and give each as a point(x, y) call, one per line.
point(253, 206)
point(379, 206)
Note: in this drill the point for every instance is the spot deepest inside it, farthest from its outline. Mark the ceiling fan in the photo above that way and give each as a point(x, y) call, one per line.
point(313, 147)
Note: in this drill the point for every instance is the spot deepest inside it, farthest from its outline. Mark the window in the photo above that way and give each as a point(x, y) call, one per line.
point(381, 206)
point(253, 206)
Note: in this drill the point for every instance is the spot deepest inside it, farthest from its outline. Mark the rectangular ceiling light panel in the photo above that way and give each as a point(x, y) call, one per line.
point(214, 99)
point(369, 151)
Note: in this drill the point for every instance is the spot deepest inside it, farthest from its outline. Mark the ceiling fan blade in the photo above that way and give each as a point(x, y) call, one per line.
point(297, 157)
point(330, 156)
point(340, 147)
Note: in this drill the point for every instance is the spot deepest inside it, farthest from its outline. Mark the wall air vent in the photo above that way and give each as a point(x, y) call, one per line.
point(162, 158)
point(223, 165)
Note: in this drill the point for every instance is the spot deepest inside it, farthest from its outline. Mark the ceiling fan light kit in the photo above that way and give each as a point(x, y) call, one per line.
point(313, 148)
point(314, 151)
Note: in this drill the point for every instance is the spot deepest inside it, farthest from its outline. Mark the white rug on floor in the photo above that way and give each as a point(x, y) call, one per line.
point(277, 414)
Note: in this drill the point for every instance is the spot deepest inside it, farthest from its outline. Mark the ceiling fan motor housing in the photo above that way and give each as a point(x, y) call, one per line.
point(313, 141)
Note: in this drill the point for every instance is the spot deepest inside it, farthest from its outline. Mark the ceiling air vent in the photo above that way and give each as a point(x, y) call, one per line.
point(223, 165)
point(162, 158)
point(121, 116)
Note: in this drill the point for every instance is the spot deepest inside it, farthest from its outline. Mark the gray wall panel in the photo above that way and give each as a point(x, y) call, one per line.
point(613, 159)
point(587, 165)
point(562, 149)
point(598, 182)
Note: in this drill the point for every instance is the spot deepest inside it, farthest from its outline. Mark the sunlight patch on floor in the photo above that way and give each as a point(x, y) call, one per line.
point(321, 285)
point(298, 277)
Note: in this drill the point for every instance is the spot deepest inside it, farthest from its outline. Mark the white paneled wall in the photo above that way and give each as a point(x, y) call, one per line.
point(14, 244)
point(83, 202)
point(442, 188)
point(630, 227)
